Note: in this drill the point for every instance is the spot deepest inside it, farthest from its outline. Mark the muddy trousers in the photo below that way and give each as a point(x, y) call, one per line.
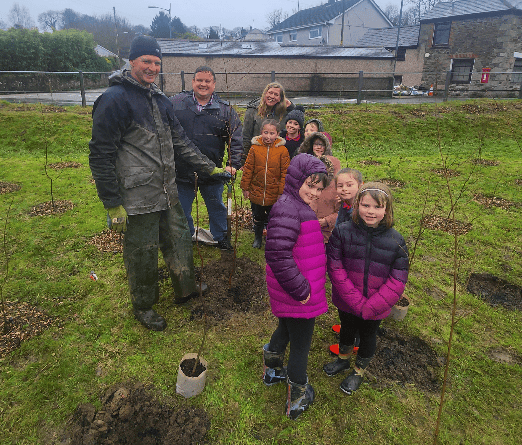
point(168, 230)
point(298, 332)
point(350, 324)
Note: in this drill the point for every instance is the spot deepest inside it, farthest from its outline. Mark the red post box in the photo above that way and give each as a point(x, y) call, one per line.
point(484, 78)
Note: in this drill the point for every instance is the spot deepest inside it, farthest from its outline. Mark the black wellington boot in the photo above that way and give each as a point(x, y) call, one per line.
point(341, 363)
point(351, 383)
point(258, 235)
point(299, 399)
point(150, 319)
point(273, 370)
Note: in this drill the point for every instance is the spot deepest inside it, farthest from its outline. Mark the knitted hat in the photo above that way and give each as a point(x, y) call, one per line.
point(296, 115)
point(144, 45)
point(316, 122)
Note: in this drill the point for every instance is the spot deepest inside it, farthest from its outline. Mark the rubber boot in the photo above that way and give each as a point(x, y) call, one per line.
point(273, 370)
point(351, 383)
point(341, 363)
point(299, 399)
point(258, 235)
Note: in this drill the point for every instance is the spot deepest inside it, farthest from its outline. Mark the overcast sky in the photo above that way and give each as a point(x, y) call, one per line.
point(202, 13)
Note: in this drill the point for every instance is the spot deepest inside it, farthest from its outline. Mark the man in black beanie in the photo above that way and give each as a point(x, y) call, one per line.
point(135, 139)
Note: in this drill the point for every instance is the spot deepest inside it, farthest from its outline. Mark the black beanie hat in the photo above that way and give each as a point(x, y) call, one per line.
point(144, 45)
point(296, 114)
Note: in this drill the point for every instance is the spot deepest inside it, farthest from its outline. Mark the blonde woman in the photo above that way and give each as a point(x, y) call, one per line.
point(273, 104)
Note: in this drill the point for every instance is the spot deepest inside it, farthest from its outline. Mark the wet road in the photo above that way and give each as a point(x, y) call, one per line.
point(75, 98)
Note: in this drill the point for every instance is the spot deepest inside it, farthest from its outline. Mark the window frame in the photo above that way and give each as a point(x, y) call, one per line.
point(319, 35)
point(440, 29)
point(516, 74)
point(279, 38)
point(293, 36)
point(464, 70)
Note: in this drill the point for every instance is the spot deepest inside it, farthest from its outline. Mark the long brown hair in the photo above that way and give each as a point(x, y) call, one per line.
point(280, 108)
point(382, 195)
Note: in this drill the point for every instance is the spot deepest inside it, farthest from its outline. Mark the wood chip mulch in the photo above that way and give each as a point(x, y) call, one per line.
point(51, 208)
point(108, 241)
point(8, 187)
point(487, 162)
point(369, 162)
point(494, 201)
point(244, 218)
point(22, 321)
point(446, 225)
point(390, 182)
point(446, 172)
point(60, 165)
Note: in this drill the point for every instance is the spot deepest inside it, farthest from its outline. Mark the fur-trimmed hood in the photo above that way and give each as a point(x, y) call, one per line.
point(257, 140)
point(306, 146)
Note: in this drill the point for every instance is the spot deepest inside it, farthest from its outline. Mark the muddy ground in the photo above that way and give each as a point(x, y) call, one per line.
point(131, 415)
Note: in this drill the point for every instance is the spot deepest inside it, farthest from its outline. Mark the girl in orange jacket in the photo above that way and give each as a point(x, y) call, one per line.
point(264, 174)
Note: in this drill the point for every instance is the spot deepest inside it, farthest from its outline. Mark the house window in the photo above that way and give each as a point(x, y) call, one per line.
point(461, 70)
point(441, 33)
point(517, 71)
point(401, 54)
point(315, 33)
point(279, 38)
point(293, 36)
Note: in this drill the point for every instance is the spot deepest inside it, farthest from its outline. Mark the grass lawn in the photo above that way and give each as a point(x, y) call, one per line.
point(88, 340)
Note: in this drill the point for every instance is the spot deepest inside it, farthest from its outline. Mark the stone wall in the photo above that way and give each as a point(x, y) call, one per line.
point(310, 76)
point(490, 41)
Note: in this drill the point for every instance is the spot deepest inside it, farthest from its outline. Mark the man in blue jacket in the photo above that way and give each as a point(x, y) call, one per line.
point(211, 124)
point(135, 139)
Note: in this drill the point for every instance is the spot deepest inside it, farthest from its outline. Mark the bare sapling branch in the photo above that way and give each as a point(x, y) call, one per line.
point(205, 324)
point(6, 273)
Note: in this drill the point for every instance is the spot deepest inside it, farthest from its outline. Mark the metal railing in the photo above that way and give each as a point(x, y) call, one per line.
point(356, 85)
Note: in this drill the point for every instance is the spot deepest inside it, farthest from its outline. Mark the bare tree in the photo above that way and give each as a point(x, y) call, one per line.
point(393, 14)
point(3, 25)
point(20, 17)
point(419, 7)
point(50, 20)
point(275, 17)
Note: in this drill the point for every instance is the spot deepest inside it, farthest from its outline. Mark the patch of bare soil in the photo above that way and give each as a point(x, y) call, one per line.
point(406, 360)
point(487, 162)
point(246, 292)
point(8, 187)
point(446, 225)
point(494, 201)
point(108, 241)
point(495, 291)
point(51, 208)
point(369, 162)
point(21, 322)
point(131, 415)
point(501, 355)
point(390, 182)
point(60, 165)
point(518, 181)
point(446, 172)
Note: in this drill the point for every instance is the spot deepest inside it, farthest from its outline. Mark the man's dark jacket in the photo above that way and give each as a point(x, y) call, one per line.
point(136, 140)
point(211, 129)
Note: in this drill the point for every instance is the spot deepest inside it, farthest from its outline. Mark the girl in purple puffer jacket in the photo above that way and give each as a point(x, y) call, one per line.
point(295, 277)
point(368, 267)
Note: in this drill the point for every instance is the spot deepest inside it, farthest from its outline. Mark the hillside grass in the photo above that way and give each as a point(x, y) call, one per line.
point(94, 341)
